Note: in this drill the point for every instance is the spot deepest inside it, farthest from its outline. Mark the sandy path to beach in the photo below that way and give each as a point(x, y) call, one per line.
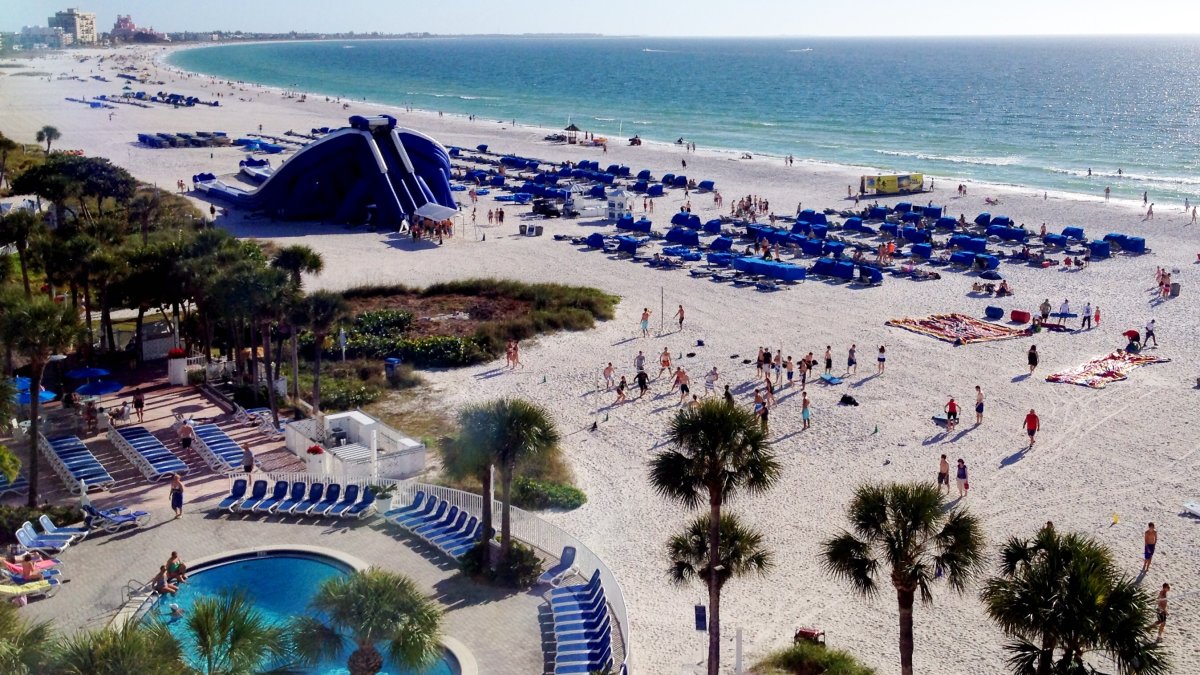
point(1130, 449)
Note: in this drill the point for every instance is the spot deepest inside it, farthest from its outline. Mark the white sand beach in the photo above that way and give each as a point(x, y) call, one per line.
point(1131, 450)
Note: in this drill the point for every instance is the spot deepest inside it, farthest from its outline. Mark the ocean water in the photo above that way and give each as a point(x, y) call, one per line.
point(1024, 111)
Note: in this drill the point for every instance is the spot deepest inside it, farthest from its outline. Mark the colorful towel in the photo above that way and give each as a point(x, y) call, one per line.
point(1097, 373)
point(958, 327)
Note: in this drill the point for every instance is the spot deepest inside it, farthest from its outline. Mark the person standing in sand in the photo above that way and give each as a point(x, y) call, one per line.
point(790, 367)
point(679, 315)
point(978, 406)
point(639, 362)
point(1161, 611)
point(964, 484)
point(852, 360)
point(664, 362)
point(608, 377)
point(1032, 358)
point(951, 410)
point(828, 360)
point(1096, 316)
point(516, 349)
point(1150, 333)
point(1032, 425)
point(882, 359)
point(710, 382)
point(943, 477)
point(1151, 541)
point(684, 381)
point(643, 382)
point(729, 397)
point(759, 362)
point(805, 412)
point(1063, 310)
point(1085, 320)
point(645, 323)
point(1044, 309)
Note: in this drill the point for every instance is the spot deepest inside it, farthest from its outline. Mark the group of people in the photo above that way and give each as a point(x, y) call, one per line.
point(495, 216)
point(423, 228)
point(512, 355)
point(169, 576)
point(680, 379)
point(1162, 279)
point(749, 207)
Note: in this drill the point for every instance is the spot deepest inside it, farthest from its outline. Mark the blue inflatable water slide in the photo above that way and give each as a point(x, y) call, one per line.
point(371, 171)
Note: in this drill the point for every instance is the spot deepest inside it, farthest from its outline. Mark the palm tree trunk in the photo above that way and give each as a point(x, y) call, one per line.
point(87, 311)
point(366, 660)
point(714, 589)
point(253, 362)
point(506, 475)
point(36, 369)
point(1046, 659)
point(24, 268)
point(295, 365)
point(138, 336)
point(266, 338)
point(904, 598)
point(316, 394)
point(485, 512)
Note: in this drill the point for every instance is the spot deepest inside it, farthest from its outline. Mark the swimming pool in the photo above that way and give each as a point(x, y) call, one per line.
point(280, 584)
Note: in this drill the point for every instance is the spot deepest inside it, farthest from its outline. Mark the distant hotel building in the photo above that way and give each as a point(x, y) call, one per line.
point(81, 26)
point(125, 30)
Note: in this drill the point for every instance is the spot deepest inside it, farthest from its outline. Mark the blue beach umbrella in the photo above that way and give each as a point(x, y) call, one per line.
point(21, 383)
point(23, 397)
point(87, 373)
point(99, 388)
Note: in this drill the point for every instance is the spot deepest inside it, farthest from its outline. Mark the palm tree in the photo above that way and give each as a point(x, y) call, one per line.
point(719, 451)
point(471, 455)
point(134, 648)
point(741, 552)
point(7, 145)
point(269, 299)
point(323, 310)
point(10, 464)
point(1059, 597)
point(907, 528)
point(232, 637)
point(365, 610)
point(37, 328)
point(48, 135)
point(295, 260)
point(16, 228)
point(520, 431)
point(25, 647)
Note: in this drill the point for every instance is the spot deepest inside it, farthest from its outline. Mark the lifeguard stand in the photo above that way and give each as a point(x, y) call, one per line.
point(618, 205)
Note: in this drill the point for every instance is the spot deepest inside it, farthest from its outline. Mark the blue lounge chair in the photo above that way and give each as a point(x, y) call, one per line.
point(442, 539)
point(586, 611)
point(438, 524)
point(581, 589)
point(456, 547)
point(278, 494)
point(46, 587)
point(452, 526)
point(236, 494)
point(20, 486)
point(348, 498)
point(16, 577)
point(258, 492)
point(111, 520)
point(414, 523)
point(415, 505)
point(295, 496)
point(28, 528)
point(602, 665)
point(593, 641)
point(602, 650)
point(332, 494)
point(43, 546)
point(363, 507)
point(405, 518)
point(50, 528)
point(583, 635)
point(315, 492)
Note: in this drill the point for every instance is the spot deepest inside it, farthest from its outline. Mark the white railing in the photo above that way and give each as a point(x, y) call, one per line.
point(526, 527)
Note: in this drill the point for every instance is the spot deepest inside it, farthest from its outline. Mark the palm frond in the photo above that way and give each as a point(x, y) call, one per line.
point(740, 551)
point(848, 558)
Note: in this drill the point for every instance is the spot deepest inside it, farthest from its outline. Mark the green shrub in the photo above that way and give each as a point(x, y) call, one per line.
point(520, 569)
point(807, 658)
point(338, 394)
point(197, 376)
point(404, 377)
point(383, 322)
point(11, 518)
point(528, 493)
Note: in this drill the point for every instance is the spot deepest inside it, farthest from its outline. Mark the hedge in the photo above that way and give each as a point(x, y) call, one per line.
point(535, 494)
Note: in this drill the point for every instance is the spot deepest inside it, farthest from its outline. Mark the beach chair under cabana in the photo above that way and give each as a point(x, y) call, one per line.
point(984, 219)
point(1073, 233)
point(655, 190)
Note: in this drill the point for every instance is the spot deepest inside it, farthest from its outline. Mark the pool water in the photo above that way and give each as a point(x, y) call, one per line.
point(280, 585)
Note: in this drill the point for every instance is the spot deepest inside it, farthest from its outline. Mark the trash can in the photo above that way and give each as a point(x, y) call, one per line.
point(389, 367)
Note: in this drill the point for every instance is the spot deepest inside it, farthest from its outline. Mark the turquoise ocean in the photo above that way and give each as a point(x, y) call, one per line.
point(1021, 111)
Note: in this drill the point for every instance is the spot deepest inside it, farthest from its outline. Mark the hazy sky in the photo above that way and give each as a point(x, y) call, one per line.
point(642, 17)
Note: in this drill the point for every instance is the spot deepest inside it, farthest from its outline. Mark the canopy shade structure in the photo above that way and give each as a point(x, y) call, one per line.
point(434, 211)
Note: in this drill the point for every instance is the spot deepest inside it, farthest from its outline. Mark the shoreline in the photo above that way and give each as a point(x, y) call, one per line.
point(851, 170)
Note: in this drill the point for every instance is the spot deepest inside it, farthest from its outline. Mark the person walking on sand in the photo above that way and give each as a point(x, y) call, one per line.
point(777, 366)
point(882, 359)
point(759, 362)
point(852, 361)
point(1063, 310)
point(1161, 611)
point(978, 406)
point(805, 411)
point(1032, 358)
point(1150, 334)
point(1151, 541)
point(729, 397)
point(1044, 310)
point(639, 362)
point(1032, 426)
point(951, 410)
point(1193, 216)
point(1085, 319)
point(664, 362)
point(516, 347)
point(621, 387)
point(828, 360)
point(608, 376)
point(684, 381)
point(1096, 316)
point(679, 315)
point(764, 412)
point(790, 367)
point(643, 382)
point(943, 477)
point(964, 484)
point(177, 495)
point(645, 323)
point(710, 382)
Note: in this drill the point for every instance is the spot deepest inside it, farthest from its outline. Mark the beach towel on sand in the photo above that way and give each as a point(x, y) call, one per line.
point(1098, 372)
point(957, 328)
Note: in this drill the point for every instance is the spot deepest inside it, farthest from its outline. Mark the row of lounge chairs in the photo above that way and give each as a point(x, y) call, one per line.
point(147, 453)
point(74, 463)
point(582, 629)
point(299, 498)
point(216, 448)
point(441, 524)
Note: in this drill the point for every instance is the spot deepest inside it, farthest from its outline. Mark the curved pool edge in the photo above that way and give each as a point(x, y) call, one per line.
point(133, 607)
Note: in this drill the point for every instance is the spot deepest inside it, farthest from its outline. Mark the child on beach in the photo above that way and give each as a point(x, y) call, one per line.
point(882, 359)
point(1151, 541)
point(1161, 611)
point(729, 396)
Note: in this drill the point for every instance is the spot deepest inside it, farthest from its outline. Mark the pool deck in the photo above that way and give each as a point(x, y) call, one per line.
point(501, 628)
